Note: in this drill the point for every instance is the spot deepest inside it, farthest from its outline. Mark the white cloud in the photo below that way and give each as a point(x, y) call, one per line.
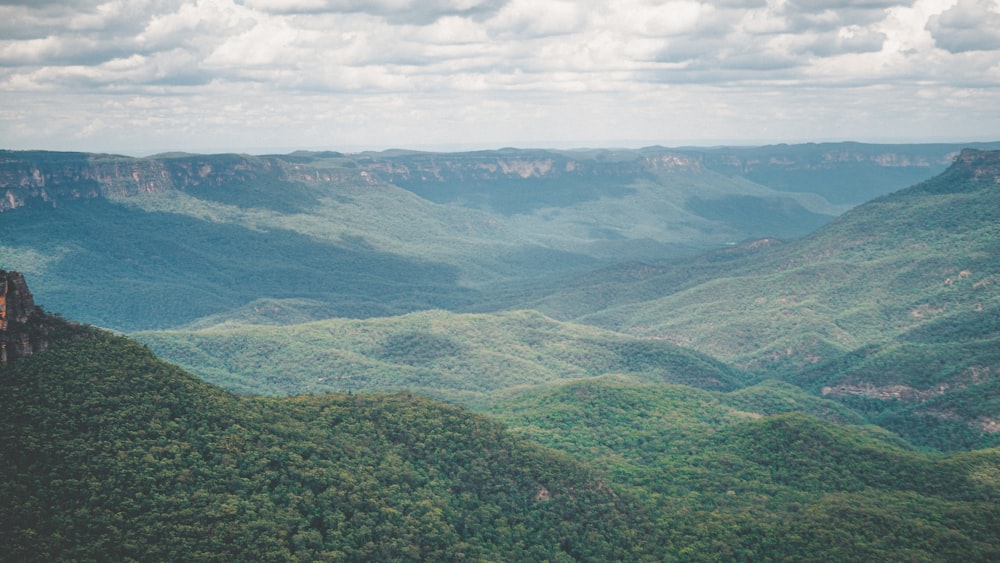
point(969, 25)
point(399, 72)
point(400, 11)
point(538, 18)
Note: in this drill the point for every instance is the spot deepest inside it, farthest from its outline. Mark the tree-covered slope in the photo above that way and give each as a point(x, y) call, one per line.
point(730, 482)
point(879, 270)
point(461, 357)
point(107, 453)
point(890, 308)
point(936, 384)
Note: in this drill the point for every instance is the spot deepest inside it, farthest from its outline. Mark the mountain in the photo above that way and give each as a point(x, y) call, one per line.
point(111, 453)
point(936, 384)
point(178, 239)
point(465, 358)
point(313, 235)
point(877, 271)
point(842, 173)
point(832, 312)
point(519, 180)
point(731, 483)
point(893, 301)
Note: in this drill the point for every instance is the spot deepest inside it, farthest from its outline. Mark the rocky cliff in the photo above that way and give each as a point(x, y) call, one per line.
point(16, 308)
point(33, 177)
point(517, 164)
point(848, 173)
point(26, 328)
point(984, 166)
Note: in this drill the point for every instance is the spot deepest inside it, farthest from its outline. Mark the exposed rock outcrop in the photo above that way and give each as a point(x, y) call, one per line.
point(521, 164)
point(16, 308)
point(983, 165)
point(51, 178)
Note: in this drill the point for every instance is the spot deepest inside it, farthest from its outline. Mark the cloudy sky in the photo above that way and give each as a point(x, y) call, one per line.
point(142, 76)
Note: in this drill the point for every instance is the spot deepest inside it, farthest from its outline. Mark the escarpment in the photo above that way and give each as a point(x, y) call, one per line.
point(26, 328)
point(16, 308)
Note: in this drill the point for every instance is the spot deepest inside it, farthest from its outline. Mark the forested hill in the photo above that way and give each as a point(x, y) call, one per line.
point(469, 359)
point(890, 308)
point(879, 269)
point(107, 453)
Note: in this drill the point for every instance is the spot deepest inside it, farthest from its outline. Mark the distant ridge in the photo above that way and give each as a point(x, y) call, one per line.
point(836, 310)
point(460, 231)
point(792, 168)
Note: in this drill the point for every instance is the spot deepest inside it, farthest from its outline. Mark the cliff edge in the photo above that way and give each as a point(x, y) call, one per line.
point(17, 306)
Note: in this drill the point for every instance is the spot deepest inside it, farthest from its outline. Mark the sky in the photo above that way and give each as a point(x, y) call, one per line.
point(144, 76)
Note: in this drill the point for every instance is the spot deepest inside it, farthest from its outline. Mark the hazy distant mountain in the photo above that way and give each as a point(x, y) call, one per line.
point(315, 235)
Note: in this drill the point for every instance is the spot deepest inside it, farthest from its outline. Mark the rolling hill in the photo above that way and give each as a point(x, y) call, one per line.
point(889, 308)
point(111, 453)
point(465, 358)
point(731, 482)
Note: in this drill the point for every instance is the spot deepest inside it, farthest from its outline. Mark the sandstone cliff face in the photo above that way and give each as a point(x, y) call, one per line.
point(983, 165)
point(488, 166)
point(16, 307)
point(51, 178)
point(823, 159)
point(35, 177)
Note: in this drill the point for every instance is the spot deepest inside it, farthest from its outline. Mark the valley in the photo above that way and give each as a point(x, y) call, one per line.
point(784, 352)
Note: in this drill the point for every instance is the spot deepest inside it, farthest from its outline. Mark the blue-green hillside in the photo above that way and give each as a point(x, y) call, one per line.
point(465, 358)
point(179, 237)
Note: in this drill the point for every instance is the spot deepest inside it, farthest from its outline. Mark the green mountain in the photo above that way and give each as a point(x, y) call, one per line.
point(887, 310)
point(109, 453)
point(936, 384)
point(883, 268)
point(467, 358)
point(891, 303)
point(731, 483)
point(308, 236)
point(555, 293)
